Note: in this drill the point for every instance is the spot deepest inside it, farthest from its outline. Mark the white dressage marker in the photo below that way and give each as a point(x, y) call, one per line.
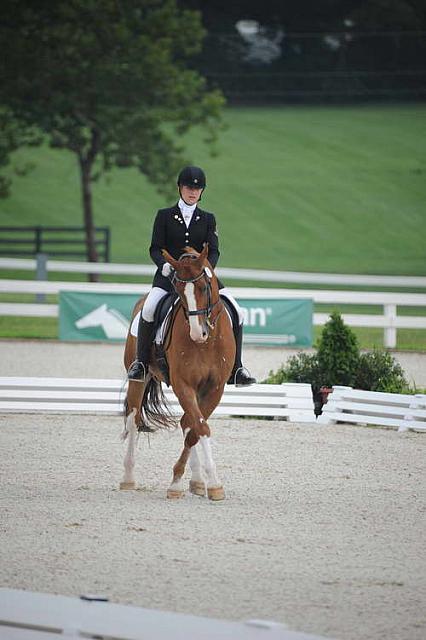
point(41, 616)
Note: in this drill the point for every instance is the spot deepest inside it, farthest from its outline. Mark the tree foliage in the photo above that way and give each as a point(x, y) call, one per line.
point(109, 81)
point(14, 134)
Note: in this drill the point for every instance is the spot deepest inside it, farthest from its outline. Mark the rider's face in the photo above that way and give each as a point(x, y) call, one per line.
point(190, 195)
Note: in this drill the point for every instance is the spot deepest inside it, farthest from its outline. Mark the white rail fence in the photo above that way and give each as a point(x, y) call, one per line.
point(42, 265)
point(289, 401)
point(390, 321)
point(392, 410)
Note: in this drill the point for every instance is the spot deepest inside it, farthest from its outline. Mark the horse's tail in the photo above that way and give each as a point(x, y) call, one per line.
point(154, 409)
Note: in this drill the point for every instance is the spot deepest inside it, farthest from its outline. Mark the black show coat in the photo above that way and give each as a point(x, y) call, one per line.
point(170, 233)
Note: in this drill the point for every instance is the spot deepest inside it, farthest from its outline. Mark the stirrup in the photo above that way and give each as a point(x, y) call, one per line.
point(137, 371)
point(242, 378)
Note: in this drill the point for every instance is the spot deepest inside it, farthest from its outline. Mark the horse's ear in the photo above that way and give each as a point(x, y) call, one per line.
point(169, 259)
point(204, 253)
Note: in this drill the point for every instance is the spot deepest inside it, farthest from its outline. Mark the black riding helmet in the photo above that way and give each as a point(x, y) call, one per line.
point(192, 177)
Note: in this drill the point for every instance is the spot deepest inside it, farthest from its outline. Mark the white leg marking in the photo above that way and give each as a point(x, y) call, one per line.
point(195, 464)
point(209, 464)
point(177, 486)
point(185, 432)
point(129, 459)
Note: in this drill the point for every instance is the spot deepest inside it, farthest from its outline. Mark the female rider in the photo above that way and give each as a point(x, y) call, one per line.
point(185, 224)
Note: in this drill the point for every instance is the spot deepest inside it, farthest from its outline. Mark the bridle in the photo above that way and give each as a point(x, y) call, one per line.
point(206, 311)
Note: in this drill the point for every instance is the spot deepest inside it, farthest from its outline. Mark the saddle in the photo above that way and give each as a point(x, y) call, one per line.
point(165, 310)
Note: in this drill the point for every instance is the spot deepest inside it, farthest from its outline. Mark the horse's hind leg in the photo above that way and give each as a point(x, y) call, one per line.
point(130, 433)
point(133, 404)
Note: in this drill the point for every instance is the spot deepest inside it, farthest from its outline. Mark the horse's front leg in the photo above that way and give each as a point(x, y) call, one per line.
point(193, 425)
point(197, 484)
point(196, 430)
point(215, 489)
point(176, 488)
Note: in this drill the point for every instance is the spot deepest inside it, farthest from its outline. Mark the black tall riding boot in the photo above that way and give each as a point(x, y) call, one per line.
point(240, 376)
point(139, 368)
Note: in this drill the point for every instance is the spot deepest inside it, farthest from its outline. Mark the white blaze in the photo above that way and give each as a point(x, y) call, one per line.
point(195, 328)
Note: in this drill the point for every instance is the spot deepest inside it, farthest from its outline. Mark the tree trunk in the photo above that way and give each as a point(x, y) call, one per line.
point(86, 191)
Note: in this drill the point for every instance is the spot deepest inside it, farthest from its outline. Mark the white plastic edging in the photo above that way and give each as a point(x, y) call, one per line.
point(63, 395)
point(392, 410)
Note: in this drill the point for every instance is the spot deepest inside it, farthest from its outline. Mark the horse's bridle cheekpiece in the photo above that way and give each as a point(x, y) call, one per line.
point(206, 274)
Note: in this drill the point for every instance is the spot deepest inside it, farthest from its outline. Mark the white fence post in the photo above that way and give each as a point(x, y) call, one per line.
point(390, 328)
point(41, 273)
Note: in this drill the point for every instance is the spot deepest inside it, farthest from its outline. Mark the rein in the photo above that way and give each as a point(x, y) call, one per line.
point(207, 311)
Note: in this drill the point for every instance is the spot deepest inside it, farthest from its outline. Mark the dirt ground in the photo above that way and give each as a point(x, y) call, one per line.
point(322, 527)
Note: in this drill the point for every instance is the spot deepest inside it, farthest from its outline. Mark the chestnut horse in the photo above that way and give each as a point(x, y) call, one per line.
point(200, 352)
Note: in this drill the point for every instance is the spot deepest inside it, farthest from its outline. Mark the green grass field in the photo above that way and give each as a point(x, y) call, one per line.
point(303, 189)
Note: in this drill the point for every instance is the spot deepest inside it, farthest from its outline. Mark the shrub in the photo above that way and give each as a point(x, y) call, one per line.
point(302, 367)
point(338, 362)
point(338, 353)
point(378, 371)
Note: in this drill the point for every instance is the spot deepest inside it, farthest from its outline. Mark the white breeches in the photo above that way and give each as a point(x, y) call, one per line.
point(157, 293)
point(150, 304)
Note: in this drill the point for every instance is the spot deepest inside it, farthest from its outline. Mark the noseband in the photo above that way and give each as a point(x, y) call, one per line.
point(207, 311)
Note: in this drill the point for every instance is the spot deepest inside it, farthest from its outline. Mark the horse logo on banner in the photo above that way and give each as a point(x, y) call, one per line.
point(113, 323)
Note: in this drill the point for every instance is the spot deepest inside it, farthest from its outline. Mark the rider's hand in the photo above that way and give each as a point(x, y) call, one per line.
point(166, 269)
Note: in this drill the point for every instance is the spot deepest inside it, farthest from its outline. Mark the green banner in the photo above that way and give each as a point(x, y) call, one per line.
point(281, 322)
point(106, 317)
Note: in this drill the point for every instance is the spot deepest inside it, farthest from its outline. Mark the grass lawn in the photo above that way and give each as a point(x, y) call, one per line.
point(294, 188)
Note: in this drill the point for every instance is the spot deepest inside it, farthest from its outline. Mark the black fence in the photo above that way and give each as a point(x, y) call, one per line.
point(273, 66)
point(64, 242)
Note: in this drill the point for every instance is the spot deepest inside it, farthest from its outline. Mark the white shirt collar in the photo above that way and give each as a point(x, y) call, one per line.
point(186, 209)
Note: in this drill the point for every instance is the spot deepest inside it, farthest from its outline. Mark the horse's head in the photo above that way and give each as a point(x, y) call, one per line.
point(197, 287)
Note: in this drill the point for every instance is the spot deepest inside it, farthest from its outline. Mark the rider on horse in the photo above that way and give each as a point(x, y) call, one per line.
point(174, 228)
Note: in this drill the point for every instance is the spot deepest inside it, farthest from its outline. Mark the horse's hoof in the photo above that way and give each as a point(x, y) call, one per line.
point(175, 494)
point(197, 488)
point(128, 486)
point(216, 493)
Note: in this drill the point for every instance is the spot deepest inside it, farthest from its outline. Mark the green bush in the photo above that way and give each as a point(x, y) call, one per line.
point(302, 367)
point(338, 353)
point(339, 362)
point(378, 371)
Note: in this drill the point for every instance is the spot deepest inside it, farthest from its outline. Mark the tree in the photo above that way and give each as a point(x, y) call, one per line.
point(14, 134)
point(108, 80)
